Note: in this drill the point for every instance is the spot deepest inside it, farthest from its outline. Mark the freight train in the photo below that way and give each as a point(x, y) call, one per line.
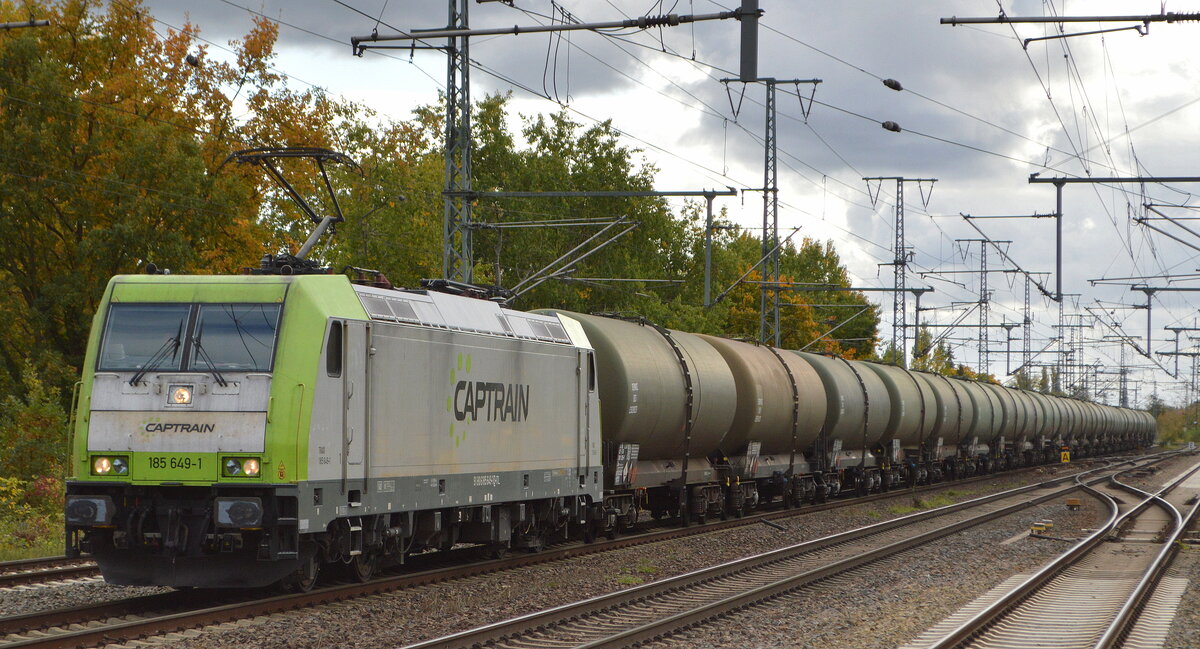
point(242, 431)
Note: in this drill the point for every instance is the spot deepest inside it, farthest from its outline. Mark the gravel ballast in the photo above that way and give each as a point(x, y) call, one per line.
point(886, 604)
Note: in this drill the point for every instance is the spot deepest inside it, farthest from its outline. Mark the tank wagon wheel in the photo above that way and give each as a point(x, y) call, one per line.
point(305, 576)
point(497, 551)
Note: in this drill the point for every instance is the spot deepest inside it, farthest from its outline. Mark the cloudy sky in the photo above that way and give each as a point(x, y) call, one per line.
point(979, 113)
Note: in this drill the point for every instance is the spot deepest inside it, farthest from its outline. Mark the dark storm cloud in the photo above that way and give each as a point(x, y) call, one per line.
point(580, 62)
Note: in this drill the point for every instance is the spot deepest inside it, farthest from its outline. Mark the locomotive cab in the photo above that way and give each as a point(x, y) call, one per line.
point(175, 477)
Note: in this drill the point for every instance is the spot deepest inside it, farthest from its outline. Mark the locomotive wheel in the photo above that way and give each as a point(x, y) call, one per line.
point(305, 578)
point(362, 566)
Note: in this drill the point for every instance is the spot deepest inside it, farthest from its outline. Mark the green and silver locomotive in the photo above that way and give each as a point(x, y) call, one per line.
point(246, 430)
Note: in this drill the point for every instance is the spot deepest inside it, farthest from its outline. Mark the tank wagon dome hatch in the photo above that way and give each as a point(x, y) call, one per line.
point(644, 373)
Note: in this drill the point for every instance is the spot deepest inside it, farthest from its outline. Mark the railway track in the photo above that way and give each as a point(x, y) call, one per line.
point(1097, 594)
point(34, 571)
point(658, 609)
point(148, 615)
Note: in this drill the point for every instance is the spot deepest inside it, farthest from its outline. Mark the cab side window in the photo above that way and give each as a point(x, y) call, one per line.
point(333, 350)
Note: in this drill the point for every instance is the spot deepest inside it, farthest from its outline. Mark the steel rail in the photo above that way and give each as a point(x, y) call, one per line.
point(573, 611)
point(990, 615)
point(41, 569)
point(1127, 616)
point(11, 579)
point(22, 564)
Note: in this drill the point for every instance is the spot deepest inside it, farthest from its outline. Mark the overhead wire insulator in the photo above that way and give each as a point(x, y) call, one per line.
point(891, 126)
point(893, 84)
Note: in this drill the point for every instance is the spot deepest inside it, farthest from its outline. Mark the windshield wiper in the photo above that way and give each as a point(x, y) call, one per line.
point(171, 343)
point(212, 367)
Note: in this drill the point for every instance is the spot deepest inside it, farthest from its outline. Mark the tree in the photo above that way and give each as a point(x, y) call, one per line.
point(33, 430)
point(111, 146)
point(939, 359)
point(1156, 406)
point(394, 208)
point(1179, 425)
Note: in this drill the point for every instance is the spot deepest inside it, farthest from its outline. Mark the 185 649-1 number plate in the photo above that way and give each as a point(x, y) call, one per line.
point(173, 466)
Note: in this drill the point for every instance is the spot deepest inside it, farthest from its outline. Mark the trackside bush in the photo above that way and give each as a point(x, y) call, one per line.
point(33, 449)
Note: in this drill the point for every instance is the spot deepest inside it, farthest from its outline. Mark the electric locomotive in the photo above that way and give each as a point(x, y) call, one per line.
point(246, 430)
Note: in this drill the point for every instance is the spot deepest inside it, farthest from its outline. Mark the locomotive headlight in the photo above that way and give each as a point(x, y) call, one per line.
point(247, 467)
point(180, 395)
point(102, 466)
point(106, 465)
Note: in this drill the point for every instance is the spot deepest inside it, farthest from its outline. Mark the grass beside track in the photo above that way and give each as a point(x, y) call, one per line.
point(15, 542)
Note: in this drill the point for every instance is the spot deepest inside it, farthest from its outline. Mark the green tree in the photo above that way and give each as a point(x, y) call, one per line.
point(927, 357)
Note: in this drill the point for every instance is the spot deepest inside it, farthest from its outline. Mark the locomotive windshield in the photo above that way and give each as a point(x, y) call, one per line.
point(190, 337)
point(234, 337)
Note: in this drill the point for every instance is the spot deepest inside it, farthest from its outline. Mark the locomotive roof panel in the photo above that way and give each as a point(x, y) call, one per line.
point(443, 311)
point(197, 288)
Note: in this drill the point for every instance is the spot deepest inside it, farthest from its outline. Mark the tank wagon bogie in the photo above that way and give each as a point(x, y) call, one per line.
point(241, 431)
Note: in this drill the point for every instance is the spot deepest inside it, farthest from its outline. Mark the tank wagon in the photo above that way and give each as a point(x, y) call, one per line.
point(248, 430)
